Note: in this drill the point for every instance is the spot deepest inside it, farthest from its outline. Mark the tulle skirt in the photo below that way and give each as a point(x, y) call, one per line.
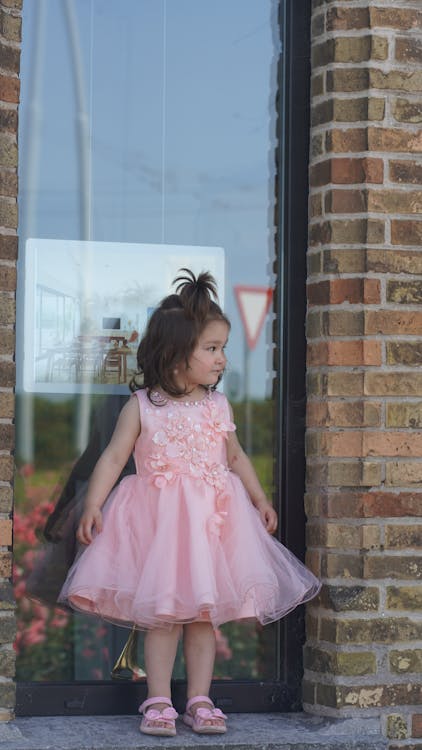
point(178, 555)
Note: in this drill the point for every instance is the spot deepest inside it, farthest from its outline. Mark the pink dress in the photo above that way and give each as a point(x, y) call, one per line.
point(181, 540)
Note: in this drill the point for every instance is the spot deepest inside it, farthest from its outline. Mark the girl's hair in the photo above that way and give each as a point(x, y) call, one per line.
point(173, 331)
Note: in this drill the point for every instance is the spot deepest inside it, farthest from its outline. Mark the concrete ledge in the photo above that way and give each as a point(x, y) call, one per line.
point(246, 732)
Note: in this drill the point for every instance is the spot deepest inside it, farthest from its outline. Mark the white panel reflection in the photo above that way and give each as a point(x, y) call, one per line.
point(87, 304)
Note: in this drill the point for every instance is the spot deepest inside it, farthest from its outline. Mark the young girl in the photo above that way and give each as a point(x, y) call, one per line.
point(184, 544)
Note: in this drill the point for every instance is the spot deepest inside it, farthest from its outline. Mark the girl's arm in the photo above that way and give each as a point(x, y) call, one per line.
point(108, 469)
point(242, 466)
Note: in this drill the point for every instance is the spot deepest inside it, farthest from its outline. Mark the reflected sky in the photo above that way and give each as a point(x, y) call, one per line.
point(173, 103)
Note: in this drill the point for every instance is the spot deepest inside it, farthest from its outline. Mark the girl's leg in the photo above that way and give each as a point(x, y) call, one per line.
point(160, 648)
point(199, 651)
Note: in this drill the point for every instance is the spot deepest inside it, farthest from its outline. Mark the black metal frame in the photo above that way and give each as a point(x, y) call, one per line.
point(283, 694)
point(293, 228)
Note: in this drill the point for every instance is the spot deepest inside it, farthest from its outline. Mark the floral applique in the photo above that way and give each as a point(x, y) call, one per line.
point(216, 424)
point(182, 445)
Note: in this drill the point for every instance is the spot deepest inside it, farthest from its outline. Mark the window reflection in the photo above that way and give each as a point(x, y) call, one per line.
point(140, 123)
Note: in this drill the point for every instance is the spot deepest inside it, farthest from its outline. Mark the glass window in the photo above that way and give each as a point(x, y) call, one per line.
point(142, 124)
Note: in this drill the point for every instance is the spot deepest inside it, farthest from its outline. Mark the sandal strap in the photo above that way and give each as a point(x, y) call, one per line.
point(198, 699)
point(167, 716)
point(152, 701)
point(208, 714)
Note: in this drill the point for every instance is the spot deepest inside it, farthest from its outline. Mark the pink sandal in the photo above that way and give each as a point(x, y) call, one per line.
point(198, 720)
point(161, 723)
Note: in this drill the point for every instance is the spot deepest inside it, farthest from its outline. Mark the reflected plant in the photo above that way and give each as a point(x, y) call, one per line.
point(91, 652)
point(43, 641)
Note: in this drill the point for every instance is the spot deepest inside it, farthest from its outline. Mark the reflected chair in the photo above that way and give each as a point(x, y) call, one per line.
point(112, 367)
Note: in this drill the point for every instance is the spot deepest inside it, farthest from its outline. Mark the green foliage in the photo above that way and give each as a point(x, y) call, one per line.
point(263, 422)
point(262, 433)
point(52, 430)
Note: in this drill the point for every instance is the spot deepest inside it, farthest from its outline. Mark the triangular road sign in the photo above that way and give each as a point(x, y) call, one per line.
point(253, 303)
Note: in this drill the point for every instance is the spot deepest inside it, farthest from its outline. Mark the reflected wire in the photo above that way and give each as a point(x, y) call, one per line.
point(163, 123)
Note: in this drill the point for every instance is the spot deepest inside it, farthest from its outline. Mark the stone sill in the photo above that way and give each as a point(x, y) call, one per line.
point(246, 732)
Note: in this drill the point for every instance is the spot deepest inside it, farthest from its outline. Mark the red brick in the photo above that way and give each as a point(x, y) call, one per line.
point(353, 414)
point(7, 436)
point(316, 413)
point(344, 444)
point(345, 201)
point(320, 173)
point(319, 233)
point(371, 504)
point(395, 201)
point(7, 278)
point(343, 19)
point(352, 140)
point(417, 725)
point(348, 79)
point(400, 80)
point(8, 247)
point(393, 261)
point(389, 322)
point(348, 171)
point(10, 58)
point(8, 120)
point(9, 89)
point(6, 469)
point(409, 49)
point(339, 322)
point(394, 139)
point(337, 291)
point(7, 374)
point(406, 172)
point(349, 443)
point(404, 536)
point(315, 205)
point(401, 383)
point(345, 353)
point(356, 231)
point(406, 232)
point(407, 110)
point(5, 533)
point(388, 504)
point(5, 564)
point(407, 353)
point(7, 406)
point(343, 383)
point(392, 443)
point(395, 18)
point(407, 292)
point(8, 183)
point(403, 567)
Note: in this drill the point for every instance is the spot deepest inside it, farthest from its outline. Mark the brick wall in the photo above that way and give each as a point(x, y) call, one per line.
point(364, 326)
point(10, 35)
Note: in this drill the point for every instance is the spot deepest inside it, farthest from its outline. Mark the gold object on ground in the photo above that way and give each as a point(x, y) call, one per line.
point(126, 666)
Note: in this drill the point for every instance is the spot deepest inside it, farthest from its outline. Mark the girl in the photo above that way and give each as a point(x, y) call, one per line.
point(184, 544)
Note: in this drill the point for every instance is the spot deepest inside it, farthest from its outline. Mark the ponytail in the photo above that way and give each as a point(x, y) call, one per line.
point(196, 294)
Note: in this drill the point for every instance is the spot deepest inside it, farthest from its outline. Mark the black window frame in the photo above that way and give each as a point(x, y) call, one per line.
point(284, 693)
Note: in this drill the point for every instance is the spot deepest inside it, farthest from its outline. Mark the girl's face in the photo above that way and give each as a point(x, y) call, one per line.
point(208, 360)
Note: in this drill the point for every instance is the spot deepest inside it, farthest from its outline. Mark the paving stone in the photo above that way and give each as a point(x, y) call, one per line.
point(246, 732)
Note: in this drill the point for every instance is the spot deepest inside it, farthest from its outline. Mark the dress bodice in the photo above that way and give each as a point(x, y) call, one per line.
point(183, 438)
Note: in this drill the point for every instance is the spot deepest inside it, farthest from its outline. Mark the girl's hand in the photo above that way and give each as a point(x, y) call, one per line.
point(268, 516)
point(91, 519)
